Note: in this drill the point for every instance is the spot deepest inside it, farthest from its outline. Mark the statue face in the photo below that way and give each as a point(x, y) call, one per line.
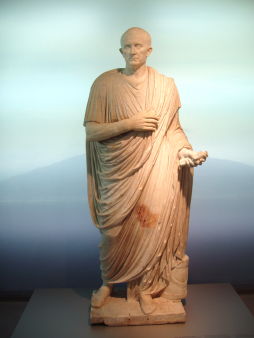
point(135, 48)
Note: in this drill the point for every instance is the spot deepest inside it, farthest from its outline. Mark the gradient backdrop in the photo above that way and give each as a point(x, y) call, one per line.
point(51, 51)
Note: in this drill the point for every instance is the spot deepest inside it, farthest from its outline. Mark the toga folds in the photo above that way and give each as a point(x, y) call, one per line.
point(139, 198)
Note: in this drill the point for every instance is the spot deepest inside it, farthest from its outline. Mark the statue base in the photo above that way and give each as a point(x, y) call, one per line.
point(118, 311)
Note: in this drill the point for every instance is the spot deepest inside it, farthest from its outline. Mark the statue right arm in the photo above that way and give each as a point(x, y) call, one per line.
point(143, 121)
point(102, 131)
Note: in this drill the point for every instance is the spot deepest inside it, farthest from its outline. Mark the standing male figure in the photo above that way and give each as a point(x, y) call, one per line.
point(139, 177)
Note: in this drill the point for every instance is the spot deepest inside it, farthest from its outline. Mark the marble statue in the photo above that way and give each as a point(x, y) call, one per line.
point(140, 169)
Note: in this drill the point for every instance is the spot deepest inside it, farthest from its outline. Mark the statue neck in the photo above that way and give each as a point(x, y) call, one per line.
point(135, 72)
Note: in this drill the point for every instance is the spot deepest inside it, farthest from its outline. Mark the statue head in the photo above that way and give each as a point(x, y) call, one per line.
point(135, 47)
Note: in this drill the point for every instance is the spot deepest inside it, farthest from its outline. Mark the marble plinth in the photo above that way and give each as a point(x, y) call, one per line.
point(117, 311)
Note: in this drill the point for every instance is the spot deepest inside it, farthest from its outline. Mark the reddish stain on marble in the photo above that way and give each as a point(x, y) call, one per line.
point(145, 217)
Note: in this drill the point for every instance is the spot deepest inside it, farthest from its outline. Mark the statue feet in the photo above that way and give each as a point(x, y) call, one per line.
point(146, 303)
point(100, 296)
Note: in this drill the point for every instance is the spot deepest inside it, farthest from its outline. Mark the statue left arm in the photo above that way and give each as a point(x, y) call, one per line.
point(186, 155)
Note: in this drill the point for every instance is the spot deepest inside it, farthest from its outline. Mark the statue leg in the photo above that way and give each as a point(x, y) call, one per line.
point(135, 292)
point(177, 288)
point(100, 296)
point(146, 302)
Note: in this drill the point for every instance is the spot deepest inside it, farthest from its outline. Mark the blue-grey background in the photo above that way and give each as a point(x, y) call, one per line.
point(51, 52)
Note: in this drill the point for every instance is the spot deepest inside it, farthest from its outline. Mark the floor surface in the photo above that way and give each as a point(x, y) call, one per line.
point(213, 310)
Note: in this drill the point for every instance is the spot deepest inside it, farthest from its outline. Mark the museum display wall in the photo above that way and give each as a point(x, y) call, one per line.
point(52, 53)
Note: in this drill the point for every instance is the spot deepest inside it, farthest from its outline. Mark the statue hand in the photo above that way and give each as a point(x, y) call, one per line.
point(144, 121)
point(191, 158)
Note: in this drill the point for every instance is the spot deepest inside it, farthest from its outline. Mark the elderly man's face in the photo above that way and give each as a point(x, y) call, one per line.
point(135, 48)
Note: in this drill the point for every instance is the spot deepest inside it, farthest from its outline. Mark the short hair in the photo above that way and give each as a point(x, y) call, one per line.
point(148, 36)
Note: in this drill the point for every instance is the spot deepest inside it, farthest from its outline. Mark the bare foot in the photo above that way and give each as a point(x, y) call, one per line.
point(99, 298)
point(146, 303)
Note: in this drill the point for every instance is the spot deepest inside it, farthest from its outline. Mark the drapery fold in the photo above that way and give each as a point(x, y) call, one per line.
point(138, 196)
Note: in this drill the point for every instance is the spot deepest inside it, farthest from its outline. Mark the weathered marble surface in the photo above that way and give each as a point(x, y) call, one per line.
point(140, 169)
point(118, 311)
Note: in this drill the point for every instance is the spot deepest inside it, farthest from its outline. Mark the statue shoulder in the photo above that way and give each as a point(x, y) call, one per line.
point(106, 77)
point(168, 79)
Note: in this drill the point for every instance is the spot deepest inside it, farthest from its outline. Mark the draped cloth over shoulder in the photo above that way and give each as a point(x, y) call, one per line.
point(138, 197)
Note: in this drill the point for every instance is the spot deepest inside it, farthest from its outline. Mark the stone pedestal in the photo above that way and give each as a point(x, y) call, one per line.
point(117, 311)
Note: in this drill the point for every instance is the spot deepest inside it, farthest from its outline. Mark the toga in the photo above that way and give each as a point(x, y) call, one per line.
point(139, 199)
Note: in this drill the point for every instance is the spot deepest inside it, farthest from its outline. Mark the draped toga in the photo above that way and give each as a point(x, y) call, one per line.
point(139, 198)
